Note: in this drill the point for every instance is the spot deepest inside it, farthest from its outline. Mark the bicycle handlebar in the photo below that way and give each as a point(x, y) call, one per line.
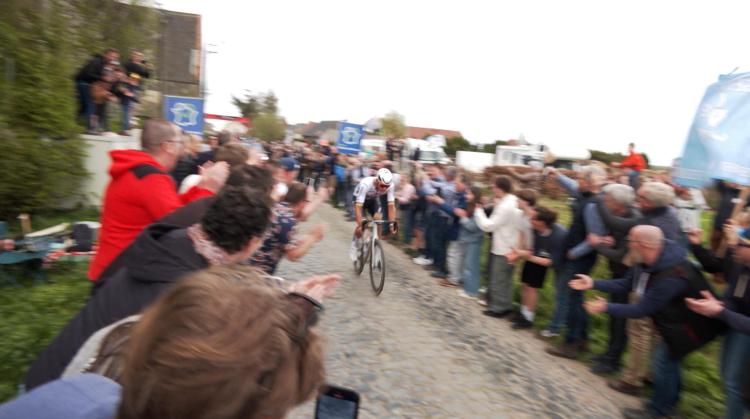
point(365, 222)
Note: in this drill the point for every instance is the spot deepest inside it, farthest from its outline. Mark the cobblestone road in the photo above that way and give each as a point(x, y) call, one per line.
point(418, 350)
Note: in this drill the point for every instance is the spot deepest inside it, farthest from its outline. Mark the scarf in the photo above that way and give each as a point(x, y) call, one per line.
point(205, 247)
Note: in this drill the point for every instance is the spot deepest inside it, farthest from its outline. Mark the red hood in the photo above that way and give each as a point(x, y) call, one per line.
point(124, 160)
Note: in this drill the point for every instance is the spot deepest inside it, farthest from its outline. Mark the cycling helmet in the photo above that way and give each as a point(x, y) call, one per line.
point(385, 176)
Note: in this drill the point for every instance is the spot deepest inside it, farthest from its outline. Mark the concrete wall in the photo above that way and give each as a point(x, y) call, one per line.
point(98, 162)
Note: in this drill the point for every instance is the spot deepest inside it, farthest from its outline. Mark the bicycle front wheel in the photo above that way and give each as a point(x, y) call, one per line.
point(360, 257)
point(377, 268)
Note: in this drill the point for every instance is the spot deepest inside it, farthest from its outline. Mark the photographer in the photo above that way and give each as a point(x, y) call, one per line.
point(136, 69)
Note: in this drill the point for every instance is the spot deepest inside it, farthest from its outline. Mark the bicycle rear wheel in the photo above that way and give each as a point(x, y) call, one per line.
point(377, 268)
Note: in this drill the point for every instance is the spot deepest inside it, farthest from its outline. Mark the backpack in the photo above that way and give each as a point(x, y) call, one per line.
point(83, 236)
point(683, 330)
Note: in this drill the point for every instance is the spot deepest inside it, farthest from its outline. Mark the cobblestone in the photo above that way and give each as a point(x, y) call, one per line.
point(420, 351)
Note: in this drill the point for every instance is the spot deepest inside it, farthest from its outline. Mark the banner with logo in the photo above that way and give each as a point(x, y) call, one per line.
point(185, 112)
point(718, 143)
point(349, 138)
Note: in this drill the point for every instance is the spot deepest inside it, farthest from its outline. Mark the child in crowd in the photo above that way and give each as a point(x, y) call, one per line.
point(471, 237)
point(547, 250)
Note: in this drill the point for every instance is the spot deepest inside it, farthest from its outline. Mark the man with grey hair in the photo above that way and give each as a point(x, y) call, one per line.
point(617, 199)
point(142, 191)
point(442, 222)
point(580, 255)
point(654, 200)
point(660, 280)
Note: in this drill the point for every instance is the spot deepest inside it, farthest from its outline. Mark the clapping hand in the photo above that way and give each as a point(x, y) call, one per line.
point(596, 306)
point(695, 236)
point(214, 175)
point(708, 306)
point(318, 287)
point(581, 283)
point(318, 231)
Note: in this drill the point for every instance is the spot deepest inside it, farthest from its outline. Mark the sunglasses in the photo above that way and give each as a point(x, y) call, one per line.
point(308, 311)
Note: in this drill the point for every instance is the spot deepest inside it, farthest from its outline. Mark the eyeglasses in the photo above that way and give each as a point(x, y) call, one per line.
point(309, 311)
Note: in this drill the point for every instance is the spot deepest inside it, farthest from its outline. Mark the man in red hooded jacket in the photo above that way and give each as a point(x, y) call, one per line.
point(142, 191)
point(633, 165)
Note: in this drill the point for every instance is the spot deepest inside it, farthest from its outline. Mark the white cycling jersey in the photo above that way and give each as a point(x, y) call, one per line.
point(366, 189)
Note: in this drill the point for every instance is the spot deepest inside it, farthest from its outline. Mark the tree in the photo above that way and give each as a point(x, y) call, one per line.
point(42, 44)
point(605, 157)
point(393, 125)
point(269, 127)
point(248, 106)
point(454, 144)
point(252, 105)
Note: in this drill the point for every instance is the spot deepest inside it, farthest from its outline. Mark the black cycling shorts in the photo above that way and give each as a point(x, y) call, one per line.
point(370, 206)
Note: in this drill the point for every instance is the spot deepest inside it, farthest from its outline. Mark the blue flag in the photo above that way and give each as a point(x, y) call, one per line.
point(718, 143)
point(349, 138)
point(185, 112)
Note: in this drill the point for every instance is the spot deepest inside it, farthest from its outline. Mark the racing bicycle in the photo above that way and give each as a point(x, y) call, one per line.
point(369, 250)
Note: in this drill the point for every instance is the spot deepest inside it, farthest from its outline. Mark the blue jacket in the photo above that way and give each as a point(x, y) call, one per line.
point(457, 200)
point(657, 294)
point(84, 396)
point(469, 231)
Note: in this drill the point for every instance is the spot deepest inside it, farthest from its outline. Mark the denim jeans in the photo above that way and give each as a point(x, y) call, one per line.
point(407, 221)
point(634, 178)
point(349, 199)
point(87, 102)
point(126, 104)
point(471, 267)
point(735, 354)
point(561, 302)
point(455, 261)
point(440, 243)
point(429, 230)
point(578, 319)
point(667, 381)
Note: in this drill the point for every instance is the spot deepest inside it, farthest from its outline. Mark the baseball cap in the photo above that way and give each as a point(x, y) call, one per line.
point(289, 164)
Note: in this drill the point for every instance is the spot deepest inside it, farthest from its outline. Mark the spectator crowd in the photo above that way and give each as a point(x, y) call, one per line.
point(103, 80)
point(187, 320)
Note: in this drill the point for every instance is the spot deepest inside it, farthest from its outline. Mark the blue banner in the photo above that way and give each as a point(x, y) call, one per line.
point(718, 143)
point(185, 112)
point(349, 138)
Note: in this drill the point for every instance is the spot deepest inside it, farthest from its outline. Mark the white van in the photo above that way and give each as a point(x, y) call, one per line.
point(371, 146)
point(428, 152)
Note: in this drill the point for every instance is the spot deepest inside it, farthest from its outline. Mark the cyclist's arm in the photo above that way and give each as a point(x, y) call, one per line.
point(360, 193)
point(391, 204)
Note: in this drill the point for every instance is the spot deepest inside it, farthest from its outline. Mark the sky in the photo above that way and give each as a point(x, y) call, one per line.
point(574, 75)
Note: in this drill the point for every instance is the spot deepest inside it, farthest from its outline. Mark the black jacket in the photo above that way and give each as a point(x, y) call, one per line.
point(672, 279)
point(182, 217)
point(159, 257)
point(131, 67)
point(92, 70)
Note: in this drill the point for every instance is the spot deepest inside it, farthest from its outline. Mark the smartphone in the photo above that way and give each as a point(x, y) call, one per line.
point(337, 403)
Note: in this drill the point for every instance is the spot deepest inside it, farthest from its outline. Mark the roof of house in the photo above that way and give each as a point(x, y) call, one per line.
point(420, 133)
point(316, 129)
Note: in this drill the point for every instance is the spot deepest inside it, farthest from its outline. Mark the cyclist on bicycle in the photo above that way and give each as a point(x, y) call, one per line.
point(367, 197)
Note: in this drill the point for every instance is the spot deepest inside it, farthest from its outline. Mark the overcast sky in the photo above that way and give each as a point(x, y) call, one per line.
point(573, 74)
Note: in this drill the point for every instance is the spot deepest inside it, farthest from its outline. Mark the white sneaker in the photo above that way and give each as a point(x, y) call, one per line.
point(422, 261)
point(546, 333)
point(462, 293)
point(482, 302)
